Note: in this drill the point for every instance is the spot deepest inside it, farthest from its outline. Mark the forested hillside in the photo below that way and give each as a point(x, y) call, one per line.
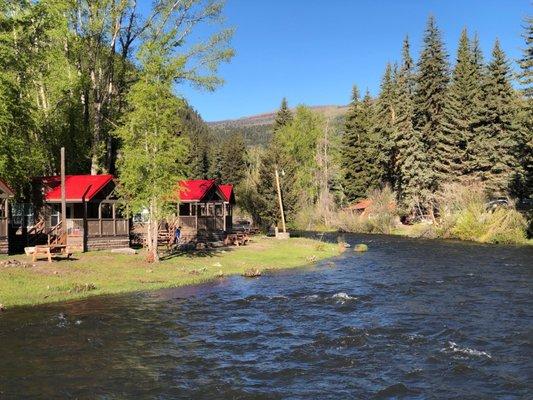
point(258, 129)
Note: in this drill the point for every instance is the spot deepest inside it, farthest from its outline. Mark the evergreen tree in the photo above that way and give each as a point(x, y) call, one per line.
point(524, 186)
point(495, 158)
point(283, 116)
point(269, 212)
point(460, 113)
point(358, 149)
point(215, 164)
point(385, 128)
point(429, 100)
point(410, 153)
point(199, 141)
point(233, 167)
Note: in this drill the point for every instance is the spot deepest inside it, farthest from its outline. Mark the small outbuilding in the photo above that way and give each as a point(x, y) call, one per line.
point(94, 220)
point(5, 194)
point(205, 209)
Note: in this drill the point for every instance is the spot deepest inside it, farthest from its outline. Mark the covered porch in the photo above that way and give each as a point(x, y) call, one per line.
point(94, 220)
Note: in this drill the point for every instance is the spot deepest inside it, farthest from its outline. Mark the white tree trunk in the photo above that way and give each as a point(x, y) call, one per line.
point(153, 225)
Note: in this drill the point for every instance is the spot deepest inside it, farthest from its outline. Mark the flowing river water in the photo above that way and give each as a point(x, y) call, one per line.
point(407, 319)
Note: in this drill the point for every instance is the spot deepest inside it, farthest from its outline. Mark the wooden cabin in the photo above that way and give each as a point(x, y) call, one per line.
point(205, 209)
point(5, 194)
point(94, 221)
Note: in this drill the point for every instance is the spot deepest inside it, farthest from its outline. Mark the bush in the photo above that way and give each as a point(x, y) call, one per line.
point(463, 214)
point(380, 217)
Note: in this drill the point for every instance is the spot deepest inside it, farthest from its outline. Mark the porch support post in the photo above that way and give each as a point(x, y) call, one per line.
point(114, 220)
point(100, 219)
point(224, 215)
point(6, 214)
point(85, 227)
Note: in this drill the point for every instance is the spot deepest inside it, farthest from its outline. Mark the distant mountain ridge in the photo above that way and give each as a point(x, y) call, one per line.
point(257, 129)
point(329, 111)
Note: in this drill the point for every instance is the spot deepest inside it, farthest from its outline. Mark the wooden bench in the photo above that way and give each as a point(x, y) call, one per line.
point(47, 251)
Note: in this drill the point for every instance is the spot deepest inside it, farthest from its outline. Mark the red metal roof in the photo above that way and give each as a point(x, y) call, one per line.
point(227, 191)
point(5, 188)
point(197, 189)
point(77, 187)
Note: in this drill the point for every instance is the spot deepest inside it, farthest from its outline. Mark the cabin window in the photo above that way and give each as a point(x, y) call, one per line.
point(2, 211)
point(185, 209)
point(107, 210)
point(193, 209)
point(210, 209)
point(119, 212)
point(55, 216)
point(218, 210)
point(202, 210)
point(92, 210)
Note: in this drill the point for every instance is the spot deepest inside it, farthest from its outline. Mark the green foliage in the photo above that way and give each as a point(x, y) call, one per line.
point(199, 142)
point(523, 185)
point(410, 157)
point(233, 157)
point(268, 209)
point(381, 216)
point(464, 214)
point(429, 99)
point(463, 105)
point(153, 155)
point(358, 149)
point(384, 124)
point(283, 116)
point(496, 134)
point(215, 164)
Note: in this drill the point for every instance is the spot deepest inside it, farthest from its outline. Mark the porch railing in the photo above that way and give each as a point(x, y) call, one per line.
point(107, 227)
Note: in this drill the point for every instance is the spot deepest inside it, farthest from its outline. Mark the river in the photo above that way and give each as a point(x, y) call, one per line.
point(407, 319)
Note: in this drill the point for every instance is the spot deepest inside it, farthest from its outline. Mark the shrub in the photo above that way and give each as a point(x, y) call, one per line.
point(382, 213)
point(463, 214)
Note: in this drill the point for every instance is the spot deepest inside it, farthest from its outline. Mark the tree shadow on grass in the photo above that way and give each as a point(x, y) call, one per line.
point(201, 253)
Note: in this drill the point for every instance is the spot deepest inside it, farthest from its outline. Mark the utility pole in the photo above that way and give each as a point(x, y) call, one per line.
point(63, 193)
point(280, 202)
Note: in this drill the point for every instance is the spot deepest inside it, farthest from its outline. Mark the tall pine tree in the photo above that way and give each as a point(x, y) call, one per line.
point(410, 152)
point(385, 128)
point(358, 149)
point(524, 186)
point(270, 160)
point(430, 95)
point(283, 116)
point(460, 113)
point(233, 167)
point(495, 158)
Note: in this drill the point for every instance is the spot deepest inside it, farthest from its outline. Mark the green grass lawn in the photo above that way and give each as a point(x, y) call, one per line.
point(102, 272)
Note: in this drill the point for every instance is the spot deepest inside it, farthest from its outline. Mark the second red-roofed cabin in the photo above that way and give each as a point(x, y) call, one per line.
point(205, 209)
point(94, 221)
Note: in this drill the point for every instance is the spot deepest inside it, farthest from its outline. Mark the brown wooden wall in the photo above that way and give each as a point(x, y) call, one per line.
point(3, 227)
point(107, 243)
point(4, 246)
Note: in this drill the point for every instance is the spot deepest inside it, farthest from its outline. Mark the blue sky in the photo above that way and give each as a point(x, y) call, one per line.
point(312, 52)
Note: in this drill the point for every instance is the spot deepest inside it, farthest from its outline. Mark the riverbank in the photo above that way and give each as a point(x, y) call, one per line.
point(102, 272)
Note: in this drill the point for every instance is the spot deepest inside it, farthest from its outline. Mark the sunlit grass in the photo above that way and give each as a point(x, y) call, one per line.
point(97, 273)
